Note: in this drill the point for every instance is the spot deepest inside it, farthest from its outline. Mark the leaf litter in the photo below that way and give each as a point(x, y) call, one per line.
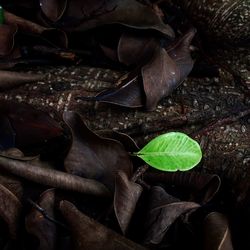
point(89, 164)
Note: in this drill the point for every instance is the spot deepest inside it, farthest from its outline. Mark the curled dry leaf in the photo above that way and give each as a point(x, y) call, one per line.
point(127, 193)
point(129, 93)
point(216, 232)
point(128, 142)
point(160, 77)
point(167, 70)
point(7, 134)
point(13, 184)
point(7, 34)
point(55, 36)
point(10, 209)
point(92, 156)
point(135, 49)
point(11, 79)
point(163, 210)
point(39, 226)
point(51, 177)
point(179, 51)
point(91, 234)
point(202, 186)
point(31, 126)
point(131, 13)
point(53, 9)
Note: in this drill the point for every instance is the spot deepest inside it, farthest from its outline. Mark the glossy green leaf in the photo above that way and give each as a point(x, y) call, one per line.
point(171, 152)
point(1, 15)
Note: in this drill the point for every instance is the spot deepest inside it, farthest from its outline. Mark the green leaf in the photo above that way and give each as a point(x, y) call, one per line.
point(1, 15)
point(171, 152)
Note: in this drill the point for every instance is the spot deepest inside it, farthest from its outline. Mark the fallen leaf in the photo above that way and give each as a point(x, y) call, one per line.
point(54, 36)
point(163, 210)
point(10, 210)
point(127, 193)
point(174, 65)
point(135, 49)
point(11, 79)
point(179, 51)
point(129, 93)
point(31, 126)
point(87, 15)
point(53, 9)
point(216, 232)
point(7, 34)
point(7, 134)
point(92, 156)
point(51, 177)
point(160, 77)
point(91, 234)
point(39, 226)
point(201, 187)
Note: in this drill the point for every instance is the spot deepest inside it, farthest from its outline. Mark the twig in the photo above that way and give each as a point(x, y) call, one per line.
point(45, 215)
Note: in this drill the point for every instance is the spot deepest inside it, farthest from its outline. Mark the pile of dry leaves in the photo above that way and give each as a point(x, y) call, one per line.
point(63, 186)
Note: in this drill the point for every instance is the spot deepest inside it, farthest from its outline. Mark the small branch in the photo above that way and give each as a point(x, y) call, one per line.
point(45, 215)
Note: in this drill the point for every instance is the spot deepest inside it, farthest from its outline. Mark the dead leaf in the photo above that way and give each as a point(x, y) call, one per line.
point(128, 142)
point(7, 34)
point(52, 177)
point(160, 77)
point(179, 51)
point(53, 9)
point(55, 36)
point(39, 226)
point(90, 234)
point(128, 93)
point(7, 134)
point(167, 70)
point(31, 126)
point(202, 187)
point(10, 209)
point(216, 232)
point(11, 79)
point(135, 49)
point(163, 210)
point(91, 14)
point(127, 193)
point(92, 156)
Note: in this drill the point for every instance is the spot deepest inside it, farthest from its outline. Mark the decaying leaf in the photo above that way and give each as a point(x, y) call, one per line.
point(92, 156)
point(129, 93)
point(11, 79)
point(53, 9)
point(135, 49)
point(174, 65)
point(157, 86)
point(216, 232)
point(7, 34)
point(53, 35)
point(163, 210)
point(31, 126)
point(202, 187)
point(52, 177)
point(91, 14)
point(179, 51)
point(10, 210)
point(126, 196)
point(90, 234)
point(39, 226)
